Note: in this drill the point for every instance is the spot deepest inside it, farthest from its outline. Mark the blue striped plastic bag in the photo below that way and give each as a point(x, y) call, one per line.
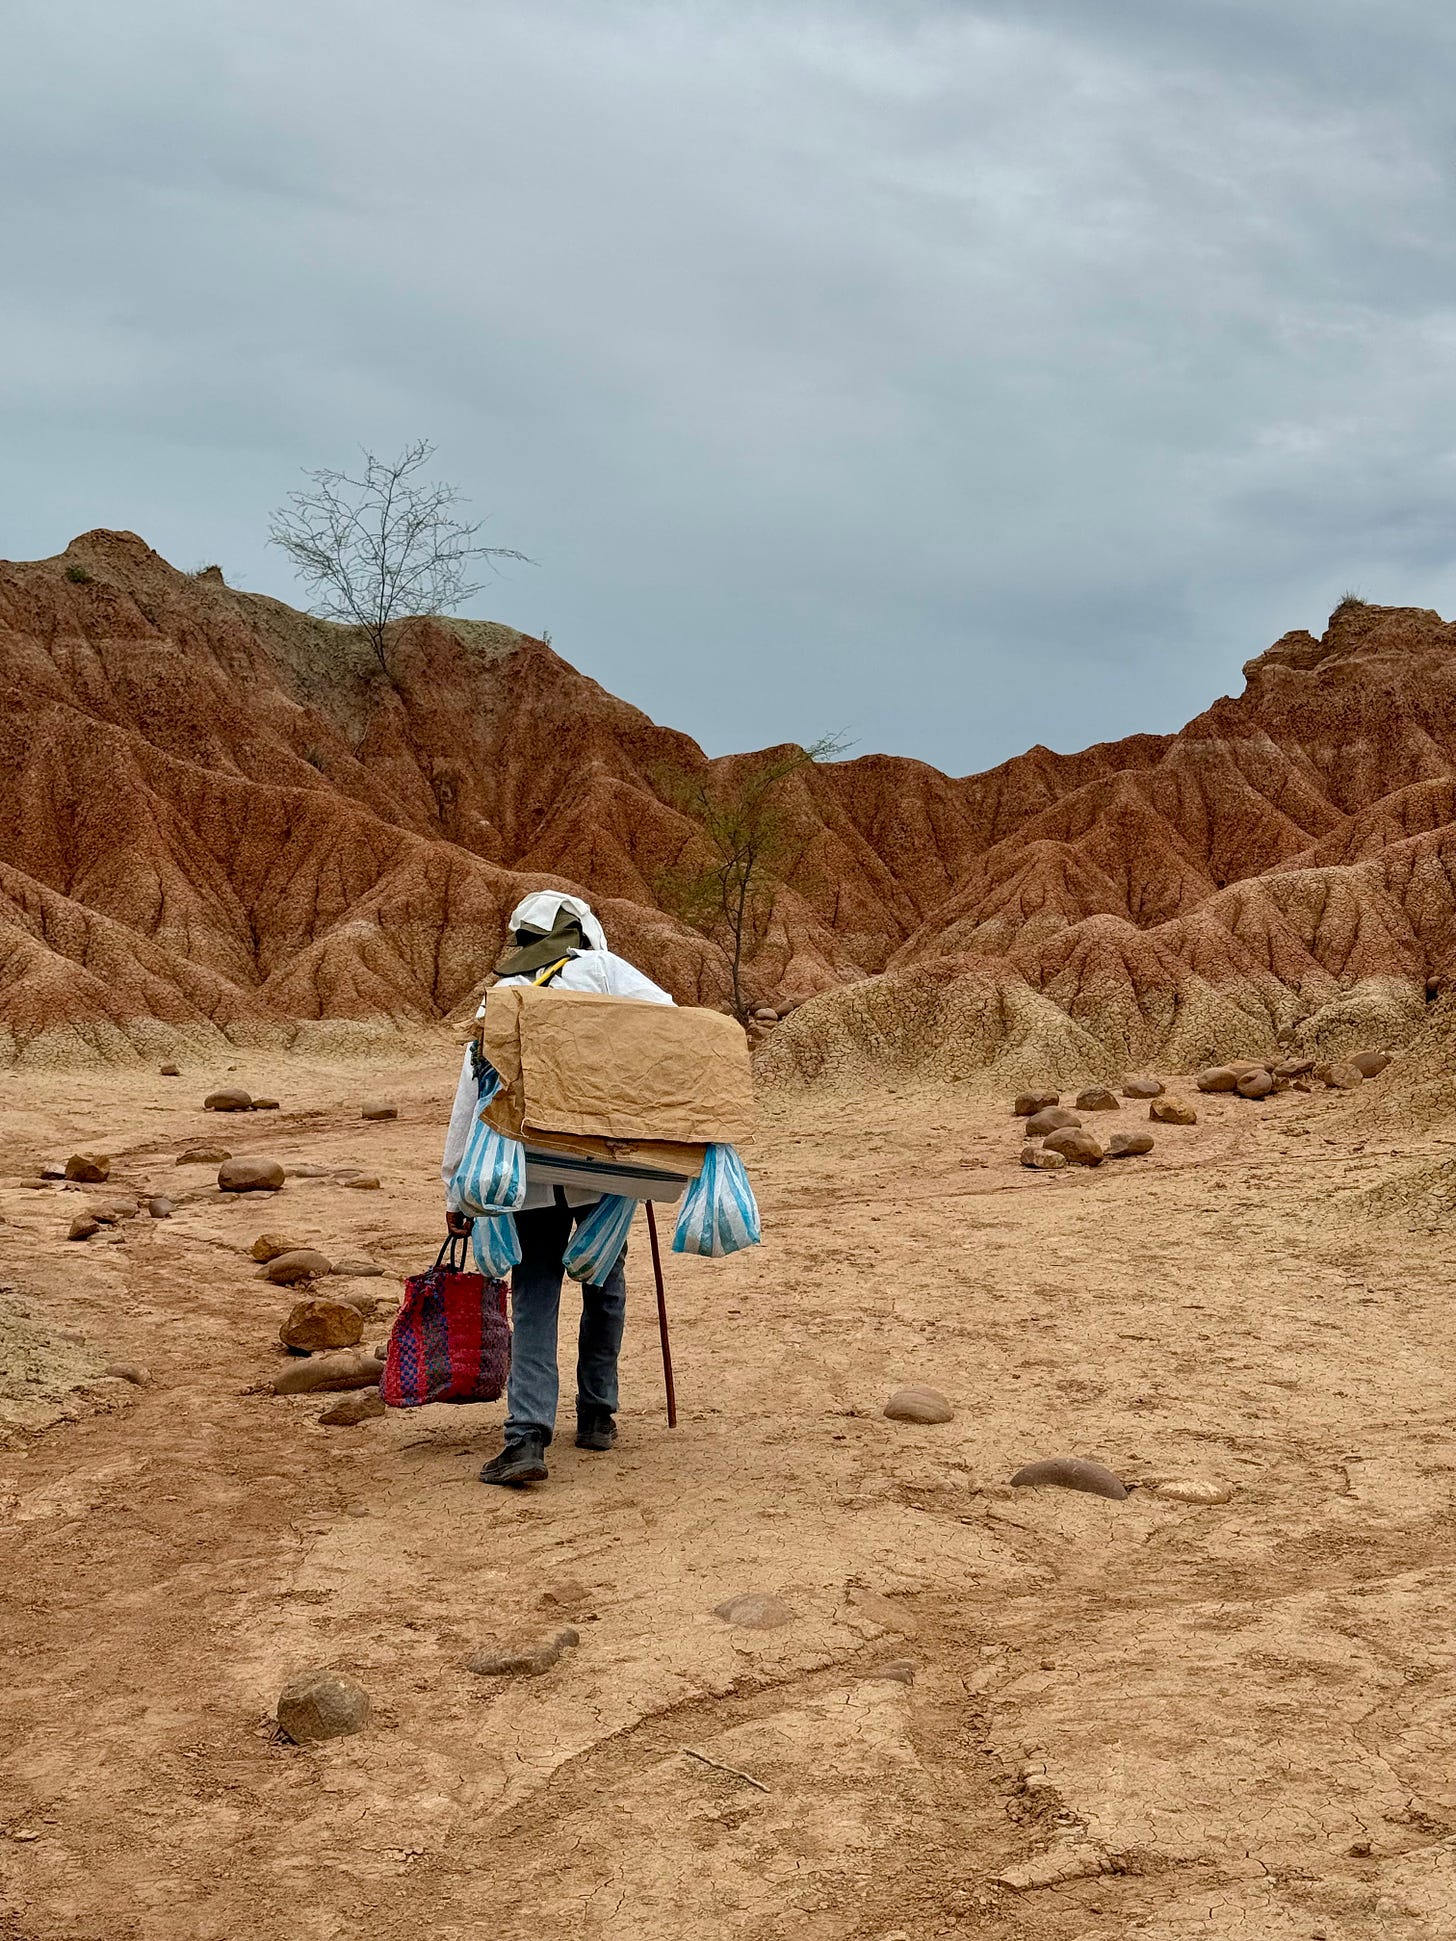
point(597, 1244)
point(719, 1213)
point(496, 1245)
point(491, 1176)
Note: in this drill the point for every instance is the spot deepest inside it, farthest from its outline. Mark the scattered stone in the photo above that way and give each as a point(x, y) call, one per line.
point(1217, 1078)
point(900, 1670)
point(203, 1156)
point(268, 1246)
point(1071, 1472)
point(1257, 1084)
point(54, 1170)
point(1173, 1112)
point(918, 1404)
point(170, 1071)
point(1129, 1145)
point(1029, 1103)
point(1039, 1158)
point(250, 1176)
point(358, 1268)
point(305, 1169)
point(1293, 1067)
point(527, 1661)
point(1371, 1063)
point(349, 1368)
point(1052, 1118)
point(316, 1324)
point(108, 1212)
point(364, 1303)
point(1097, 1098)
point(265, 1105)
point(88, 1167)
point(160, 1207)
point(321, 1705)
point(1078, 1148)
point(1142, 1086)
point(350, 1410)
point(83, 1226)
point(129, 1371)
point(230, 1099)
point(300, 1264)
point(1344, 1075)
point(754, 1611)
point(365, 1183)
point(1192, 1489)
point(380, 1112)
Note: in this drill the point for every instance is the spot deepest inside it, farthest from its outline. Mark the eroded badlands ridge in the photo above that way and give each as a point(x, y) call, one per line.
point(218, 819)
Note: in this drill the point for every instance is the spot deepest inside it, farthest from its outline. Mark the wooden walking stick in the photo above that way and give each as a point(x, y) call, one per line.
point(662, 1318)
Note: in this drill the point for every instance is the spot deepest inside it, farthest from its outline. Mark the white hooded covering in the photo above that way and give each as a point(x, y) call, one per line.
point(594, 969)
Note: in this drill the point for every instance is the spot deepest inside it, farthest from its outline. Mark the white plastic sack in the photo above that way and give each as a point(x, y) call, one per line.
point(491, 1176)
point(496, 1245)
point(719, 1213)
point(596, 1246)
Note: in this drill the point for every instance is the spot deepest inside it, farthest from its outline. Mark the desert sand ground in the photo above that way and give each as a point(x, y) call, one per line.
point(1183, 1721)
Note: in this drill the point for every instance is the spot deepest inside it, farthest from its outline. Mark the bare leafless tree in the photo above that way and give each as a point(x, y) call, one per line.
point(383, 546)
point(741, 852)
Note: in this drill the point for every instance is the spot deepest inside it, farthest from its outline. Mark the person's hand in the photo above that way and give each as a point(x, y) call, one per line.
point(459, 1225)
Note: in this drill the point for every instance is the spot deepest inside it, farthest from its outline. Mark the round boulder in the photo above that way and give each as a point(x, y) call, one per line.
point(380, 1112)
point(1344, 1075)
point(350, 1410)
point(1173, 1112)
point(250, 1176)
point(348, 1368)
point(1294, 1068)
point(1371, 1063)
point(230, 1099)
point(302, 1264)
point(1097, 1098)
point(1218, 1078)
point(88, 1167)
point(265, 1105)
point(1142, 1086)
point(1257, 1084)
point(1028, 1103)
point(918, 1404)
point(1129, 1145)
point(1078, 1148)
point(160, 1207)
point(365, 1183)
point(754, 1611)
point(170, 1071)
point(320, 1705)
point(1052, 1118)
point(1039, 1159)
point(268, 1246)
point(316, 1324)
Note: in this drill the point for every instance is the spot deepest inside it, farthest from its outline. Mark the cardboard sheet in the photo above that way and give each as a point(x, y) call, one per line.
point(573, 1062)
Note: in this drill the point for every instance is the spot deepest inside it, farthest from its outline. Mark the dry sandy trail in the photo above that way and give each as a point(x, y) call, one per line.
point(1190, 1721)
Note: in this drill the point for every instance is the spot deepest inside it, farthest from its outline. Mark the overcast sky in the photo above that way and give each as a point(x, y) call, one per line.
point(962, 375)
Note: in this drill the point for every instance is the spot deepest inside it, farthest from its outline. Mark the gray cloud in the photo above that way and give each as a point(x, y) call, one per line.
point(964, 375)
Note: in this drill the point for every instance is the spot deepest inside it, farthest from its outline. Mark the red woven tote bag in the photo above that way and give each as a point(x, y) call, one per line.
point(451, 1341)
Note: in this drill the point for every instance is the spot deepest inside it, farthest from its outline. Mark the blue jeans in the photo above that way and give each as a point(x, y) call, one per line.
point(535, 1306)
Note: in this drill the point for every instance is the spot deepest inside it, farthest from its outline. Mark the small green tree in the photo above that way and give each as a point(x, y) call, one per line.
point(741, 852)
point(384, 546)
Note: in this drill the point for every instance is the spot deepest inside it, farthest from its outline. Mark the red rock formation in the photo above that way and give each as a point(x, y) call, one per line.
point(217, 816)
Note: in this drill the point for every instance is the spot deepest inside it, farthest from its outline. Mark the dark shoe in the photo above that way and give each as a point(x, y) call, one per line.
point(595, 1429)
point(523, 1461)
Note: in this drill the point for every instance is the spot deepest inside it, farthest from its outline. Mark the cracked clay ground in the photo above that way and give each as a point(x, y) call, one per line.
point(995, 1713)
